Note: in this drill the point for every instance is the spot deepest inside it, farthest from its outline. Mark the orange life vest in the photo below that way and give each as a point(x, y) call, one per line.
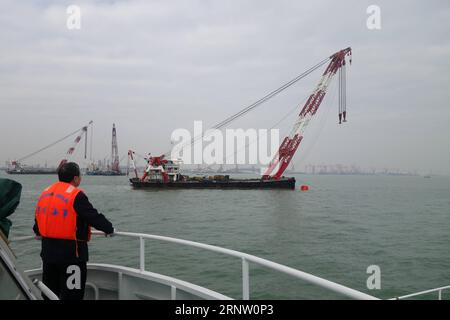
point(55, 216)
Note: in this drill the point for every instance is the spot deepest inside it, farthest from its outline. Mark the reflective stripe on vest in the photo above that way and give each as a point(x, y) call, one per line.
point(55, 216)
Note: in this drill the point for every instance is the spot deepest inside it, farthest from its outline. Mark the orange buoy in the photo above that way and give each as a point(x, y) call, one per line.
point(304, 188)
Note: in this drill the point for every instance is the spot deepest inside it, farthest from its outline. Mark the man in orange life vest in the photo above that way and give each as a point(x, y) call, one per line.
point(63, 219)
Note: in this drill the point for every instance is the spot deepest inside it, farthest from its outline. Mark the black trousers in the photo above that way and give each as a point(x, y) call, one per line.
point(66, 280)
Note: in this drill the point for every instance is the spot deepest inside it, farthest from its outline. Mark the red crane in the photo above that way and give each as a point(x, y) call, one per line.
point(76, 141)
point(291, 143)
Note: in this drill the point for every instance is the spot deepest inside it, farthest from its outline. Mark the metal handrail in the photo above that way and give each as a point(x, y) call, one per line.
point(45, 290)
point(245, 258)
point(439, 290)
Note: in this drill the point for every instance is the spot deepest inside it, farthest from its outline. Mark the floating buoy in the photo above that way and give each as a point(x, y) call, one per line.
point(304, 188)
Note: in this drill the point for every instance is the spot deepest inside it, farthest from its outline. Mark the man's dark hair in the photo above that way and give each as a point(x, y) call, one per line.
point(68, 171)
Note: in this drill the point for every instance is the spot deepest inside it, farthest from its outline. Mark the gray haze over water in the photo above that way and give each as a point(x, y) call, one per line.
point(155, 66)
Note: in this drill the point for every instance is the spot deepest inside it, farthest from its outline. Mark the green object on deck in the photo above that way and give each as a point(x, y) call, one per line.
point(10, 191)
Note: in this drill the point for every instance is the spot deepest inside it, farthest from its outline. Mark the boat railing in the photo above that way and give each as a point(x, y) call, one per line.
point(45, 290)
point(422, 293)
point(245, 260)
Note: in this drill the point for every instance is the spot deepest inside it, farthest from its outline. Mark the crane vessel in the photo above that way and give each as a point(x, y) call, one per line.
point(163, 172)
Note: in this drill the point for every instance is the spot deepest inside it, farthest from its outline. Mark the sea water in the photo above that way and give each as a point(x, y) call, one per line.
point(336, 230)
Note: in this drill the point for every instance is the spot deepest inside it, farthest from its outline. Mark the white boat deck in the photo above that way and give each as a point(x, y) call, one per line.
point(115, 282)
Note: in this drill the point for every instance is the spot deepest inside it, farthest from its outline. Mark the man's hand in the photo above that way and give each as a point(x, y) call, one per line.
point(110, 234)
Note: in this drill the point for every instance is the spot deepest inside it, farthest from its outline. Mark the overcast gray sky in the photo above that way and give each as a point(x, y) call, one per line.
point(154, 66)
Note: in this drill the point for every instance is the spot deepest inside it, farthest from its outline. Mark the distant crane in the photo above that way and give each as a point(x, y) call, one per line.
point(108, 167)
point(114, 151)
point(16, 165)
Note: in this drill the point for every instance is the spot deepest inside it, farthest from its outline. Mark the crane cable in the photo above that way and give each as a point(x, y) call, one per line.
point(269, 95)
point(50, 145)
point(290, 112)
point(258, 102)
point(284, 118)
point(342, 94)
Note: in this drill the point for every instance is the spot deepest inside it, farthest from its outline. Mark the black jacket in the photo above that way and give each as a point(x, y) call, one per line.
point(65, 251)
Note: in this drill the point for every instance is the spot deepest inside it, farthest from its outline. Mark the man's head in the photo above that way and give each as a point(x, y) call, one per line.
point(70, 172)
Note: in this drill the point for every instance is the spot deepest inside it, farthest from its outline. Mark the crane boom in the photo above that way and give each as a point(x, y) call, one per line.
point(291, 143)
point(75, 142)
